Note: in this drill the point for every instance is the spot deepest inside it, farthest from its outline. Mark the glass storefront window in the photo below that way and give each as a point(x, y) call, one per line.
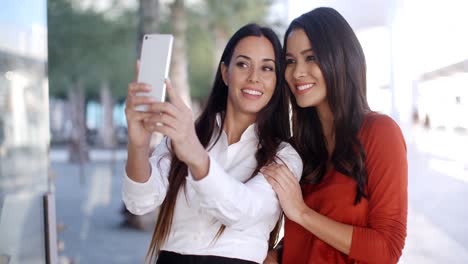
point(24, 131)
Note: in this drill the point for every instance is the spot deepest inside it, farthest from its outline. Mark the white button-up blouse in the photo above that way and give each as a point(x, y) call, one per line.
point(248, 208)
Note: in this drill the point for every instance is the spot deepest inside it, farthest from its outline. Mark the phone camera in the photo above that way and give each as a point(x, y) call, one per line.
point(146, 37)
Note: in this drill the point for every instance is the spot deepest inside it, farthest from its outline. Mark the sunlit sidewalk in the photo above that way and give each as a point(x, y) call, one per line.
point(429, 244)
point(89, 207)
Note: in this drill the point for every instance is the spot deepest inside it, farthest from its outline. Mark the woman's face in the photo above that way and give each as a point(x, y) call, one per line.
point(250, 75)
point(303, 74)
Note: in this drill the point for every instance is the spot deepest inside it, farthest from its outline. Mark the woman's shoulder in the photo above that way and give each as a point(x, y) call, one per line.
point(380, 131)
point(286, 146)
point(289, 156)
point(377, 124)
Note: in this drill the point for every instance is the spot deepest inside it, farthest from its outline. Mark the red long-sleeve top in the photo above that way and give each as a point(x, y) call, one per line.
point(379, 221)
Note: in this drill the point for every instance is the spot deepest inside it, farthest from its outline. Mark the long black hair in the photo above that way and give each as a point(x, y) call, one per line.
point(342, 62)
point(272, 128)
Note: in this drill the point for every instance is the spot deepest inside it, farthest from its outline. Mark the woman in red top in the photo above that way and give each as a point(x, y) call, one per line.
point(353, 204)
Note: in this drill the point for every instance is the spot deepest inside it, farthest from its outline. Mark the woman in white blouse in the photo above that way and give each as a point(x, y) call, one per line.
point(214, 206)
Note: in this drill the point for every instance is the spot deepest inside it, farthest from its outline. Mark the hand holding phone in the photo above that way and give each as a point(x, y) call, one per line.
point(155, 59)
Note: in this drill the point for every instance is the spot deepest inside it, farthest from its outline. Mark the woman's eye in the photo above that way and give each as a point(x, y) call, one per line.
point(290, 61)
point(311, 58)
point(241, 64)
point(268, 68)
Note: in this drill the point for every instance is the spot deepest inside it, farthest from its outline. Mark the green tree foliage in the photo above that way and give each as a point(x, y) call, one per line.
point(84, 44)
point(200, 54)
point(228, 16)
point(88, 53)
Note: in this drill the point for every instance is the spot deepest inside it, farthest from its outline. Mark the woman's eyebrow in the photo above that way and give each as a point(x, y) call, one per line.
point(248, 58)
point(302, 52)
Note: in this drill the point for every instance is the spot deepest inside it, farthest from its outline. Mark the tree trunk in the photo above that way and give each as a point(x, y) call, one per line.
point(107, 126)
point(78, 148)
point(179, 55)
point(149, 21)
point(220, 40)
point(148, 13)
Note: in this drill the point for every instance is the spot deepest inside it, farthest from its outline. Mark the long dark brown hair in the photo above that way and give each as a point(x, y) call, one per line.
point(272, 128)
point(342, 62)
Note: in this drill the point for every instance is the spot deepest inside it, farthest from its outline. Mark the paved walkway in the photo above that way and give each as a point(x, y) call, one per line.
point(90, 208)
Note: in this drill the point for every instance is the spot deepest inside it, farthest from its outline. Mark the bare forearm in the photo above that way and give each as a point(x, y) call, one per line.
point(138, 167)
point(334, 233)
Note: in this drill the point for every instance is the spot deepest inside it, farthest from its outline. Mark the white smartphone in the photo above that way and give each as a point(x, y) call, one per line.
point(155, 60)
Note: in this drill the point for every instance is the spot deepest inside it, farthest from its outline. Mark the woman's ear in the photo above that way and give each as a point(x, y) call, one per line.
point(224, 73)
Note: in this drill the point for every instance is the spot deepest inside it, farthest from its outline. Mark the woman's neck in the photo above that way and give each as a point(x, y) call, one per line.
point(235, 124)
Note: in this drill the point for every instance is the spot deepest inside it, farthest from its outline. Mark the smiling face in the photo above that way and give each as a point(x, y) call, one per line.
point(303, 74)
point(250, 75)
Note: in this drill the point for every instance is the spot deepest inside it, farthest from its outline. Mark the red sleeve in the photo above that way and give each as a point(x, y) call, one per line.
point(383, 239)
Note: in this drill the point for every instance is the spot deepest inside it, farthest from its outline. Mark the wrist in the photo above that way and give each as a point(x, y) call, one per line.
point(200, 162)
point(198, 154)
point(302, 213)
point(199, 167)
point(138, 148)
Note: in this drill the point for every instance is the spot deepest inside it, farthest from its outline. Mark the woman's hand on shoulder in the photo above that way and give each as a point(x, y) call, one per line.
point(286, 186)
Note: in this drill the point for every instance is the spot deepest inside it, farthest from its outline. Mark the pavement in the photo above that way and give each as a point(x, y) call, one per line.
point(437, 197)
point(88, 205)
point(89, 208)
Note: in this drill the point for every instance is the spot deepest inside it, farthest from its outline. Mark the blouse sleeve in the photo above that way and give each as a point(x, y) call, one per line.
point(383, 239)
point(240, 205)
point(142, 198)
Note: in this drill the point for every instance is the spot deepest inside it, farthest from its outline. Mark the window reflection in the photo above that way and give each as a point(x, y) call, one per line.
point(24, 131)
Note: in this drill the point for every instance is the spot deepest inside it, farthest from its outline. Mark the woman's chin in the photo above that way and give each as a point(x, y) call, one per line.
point(303, 104)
